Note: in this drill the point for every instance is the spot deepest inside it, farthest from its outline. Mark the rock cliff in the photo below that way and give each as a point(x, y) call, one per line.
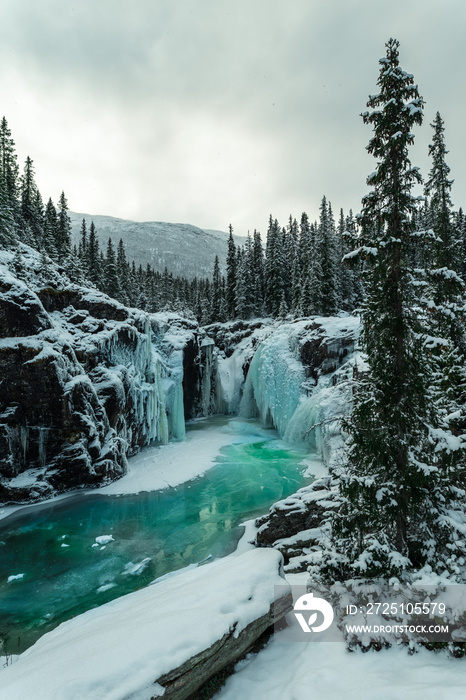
point(85, 383)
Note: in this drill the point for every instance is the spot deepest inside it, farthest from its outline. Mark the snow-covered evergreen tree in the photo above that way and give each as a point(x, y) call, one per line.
point(111, 281)
point(95, 272)
point(50, 230)
point(63, 230)
point(346, 275)
point(396, 487)
point(274, 264)
point(315, 274)
point(9, 168)
point(258, 274)
point(83, 246)
point(217, 301)
point(444, 305)
point(326, 258)
point(123, 272)
point(230, 292)
point(7, 220)
point(303, 297)
point(289, 243)
point(32, 223)
point(250, 308)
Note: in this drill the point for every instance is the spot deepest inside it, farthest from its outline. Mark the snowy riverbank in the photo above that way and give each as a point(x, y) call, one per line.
point(121, 656)
point(284, 670)
point(287, 670)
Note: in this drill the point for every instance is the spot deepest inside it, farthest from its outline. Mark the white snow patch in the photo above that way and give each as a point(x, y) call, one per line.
point(157, 468)
point(118, 650)
point(106, 587)
point(287, 670)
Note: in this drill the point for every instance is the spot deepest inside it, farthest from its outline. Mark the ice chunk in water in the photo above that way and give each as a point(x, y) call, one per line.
point(104, 539)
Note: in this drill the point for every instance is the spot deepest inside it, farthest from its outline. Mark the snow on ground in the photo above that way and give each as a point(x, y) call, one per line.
point(157, 467)
point(287, 670)
point(160, 466)
point(314, 466)
point(118, 650)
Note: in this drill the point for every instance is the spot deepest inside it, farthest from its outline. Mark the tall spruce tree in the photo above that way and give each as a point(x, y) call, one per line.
point(83, 245)
point(123, 272)
point(274, 267)
point(303, 297)
point(9, 168)
point(230, 292)
point(346, 274)
point(396, 489)
point(460, 223)
point(315, 275)
point(32, 221)
point(50, 229)
point(111, 282)
point(95, 271)
point(217, 301)
point(438, 188)
point(7, 220)
point(63, 230)
point(325, 256)
point(258, 274)
point(443, 301)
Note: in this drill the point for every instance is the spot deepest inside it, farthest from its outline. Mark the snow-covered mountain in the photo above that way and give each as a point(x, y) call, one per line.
point(184, 249)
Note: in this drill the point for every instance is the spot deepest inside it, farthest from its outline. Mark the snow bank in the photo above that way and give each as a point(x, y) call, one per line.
point(118, 651)
point(328, 671)
point(157, 467)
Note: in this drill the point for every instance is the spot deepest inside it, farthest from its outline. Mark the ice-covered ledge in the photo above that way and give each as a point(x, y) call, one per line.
point(179, 632)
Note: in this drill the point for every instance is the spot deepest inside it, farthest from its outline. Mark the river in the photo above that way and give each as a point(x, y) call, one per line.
point(66, 556)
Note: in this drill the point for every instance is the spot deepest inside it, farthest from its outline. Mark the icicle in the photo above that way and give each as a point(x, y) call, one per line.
point(42, 445)
point(162, 432)
point(148, 332)
point(207, 346)
point(24, 440)
point(177, 424)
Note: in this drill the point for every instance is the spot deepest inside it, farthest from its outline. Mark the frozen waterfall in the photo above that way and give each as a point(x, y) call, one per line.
point(206, 357)
point(302, 410)
point(273, 384)
point(317, 418)
point(155, 384)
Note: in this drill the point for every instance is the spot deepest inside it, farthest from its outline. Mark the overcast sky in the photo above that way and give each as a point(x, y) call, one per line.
point(217, 111)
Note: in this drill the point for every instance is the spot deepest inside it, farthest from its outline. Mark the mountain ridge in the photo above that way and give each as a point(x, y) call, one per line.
point(184, 249)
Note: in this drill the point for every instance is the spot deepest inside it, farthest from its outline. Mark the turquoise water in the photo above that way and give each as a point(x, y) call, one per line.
point(153, 534)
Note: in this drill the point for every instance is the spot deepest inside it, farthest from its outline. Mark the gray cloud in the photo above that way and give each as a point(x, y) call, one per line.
point(211, 111)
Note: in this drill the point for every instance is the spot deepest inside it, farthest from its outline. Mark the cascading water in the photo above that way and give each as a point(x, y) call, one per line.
point(273, 385)
point(206, 350)
point(303, 410)
point(317, 419)
point(156, 383)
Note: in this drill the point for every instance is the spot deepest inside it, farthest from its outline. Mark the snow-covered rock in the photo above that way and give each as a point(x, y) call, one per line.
point(167, 639)
point(85, 382)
